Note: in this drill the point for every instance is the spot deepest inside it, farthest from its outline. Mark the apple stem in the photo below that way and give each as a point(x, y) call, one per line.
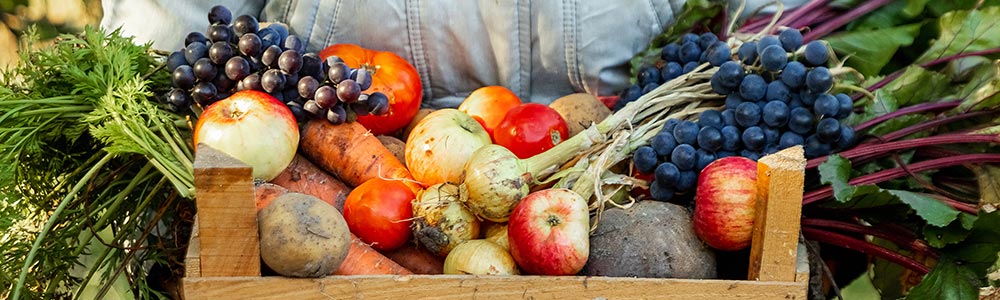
point(841, 240)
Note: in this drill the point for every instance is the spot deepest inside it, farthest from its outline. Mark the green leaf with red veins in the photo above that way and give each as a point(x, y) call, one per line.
point(919, 85)
point(965, 31)
point(949, 280)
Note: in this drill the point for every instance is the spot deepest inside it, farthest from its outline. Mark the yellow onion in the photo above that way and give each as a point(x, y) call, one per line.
point(440, 144)
point(497, 233)
point(441, 220)
point(480, 257)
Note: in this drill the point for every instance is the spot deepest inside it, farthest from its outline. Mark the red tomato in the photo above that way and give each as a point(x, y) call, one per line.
point(391, 75)
point(488, 105)
point(379, 211)
point(530, 129)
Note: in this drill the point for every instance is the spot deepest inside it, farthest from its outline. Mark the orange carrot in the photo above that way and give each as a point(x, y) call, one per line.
point(352, 153)
point(417, 259)
point(267, 192)
point(363, 260)
point(302, 176)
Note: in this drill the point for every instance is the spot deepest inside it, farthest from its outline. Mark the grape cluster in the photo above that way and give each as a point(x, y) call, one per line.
point(235, 55)
point(777, 96)
point(677, 59)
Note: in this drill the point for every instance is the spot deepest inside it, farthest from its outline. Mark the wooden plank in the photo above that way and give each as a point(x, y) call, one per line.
point(192, 259)
point(773, 251)
point(227, 215)
point(485, 287)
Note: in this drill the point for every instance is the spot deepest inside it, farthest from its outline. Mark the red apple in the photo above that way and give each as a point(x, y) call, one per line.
point(549, 232)
point(252, 127)
point(724, 203)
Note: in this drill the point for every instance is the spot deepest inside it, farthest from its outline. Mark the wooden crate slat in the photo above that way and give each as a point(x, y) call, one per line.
point(486, 287)
point(227, 222)
point(773, 252)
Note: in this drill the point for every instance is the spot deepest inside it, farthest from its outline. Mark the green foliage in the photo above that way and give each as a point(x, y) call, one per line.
point(86, 149)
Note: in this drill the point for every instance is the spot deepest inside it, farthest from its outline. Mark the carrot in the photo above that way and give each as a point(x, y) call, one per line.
point(363, 260)
point(417, 259)
point(352, 153)
point(267, 192)
point(302, 176)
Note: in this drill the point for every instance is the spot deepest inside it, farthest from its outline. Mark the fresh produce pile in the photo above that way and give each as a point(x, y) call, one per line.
point(98, 136)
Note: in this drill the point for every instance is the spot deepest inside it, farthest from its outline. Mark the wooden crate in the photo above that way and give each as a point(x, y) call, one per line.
point(223, 260)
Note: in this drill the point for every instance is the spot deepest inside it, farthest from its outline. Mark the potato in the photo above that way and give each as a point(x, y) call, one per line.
point(395, 145)
point(302, 236)
point(580, 110)
point(651, 239)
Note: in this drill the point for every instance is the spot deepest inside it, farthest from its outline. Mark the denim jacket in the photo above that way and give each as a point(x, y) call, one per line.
point(541, 50)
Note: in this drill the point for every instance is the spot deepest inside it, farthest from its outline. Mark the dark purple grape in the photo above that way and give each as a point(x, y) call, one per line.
point(684, 157)
point(664, 143)
point(249, 44)
point(268, 37)
point(219, 15)
point(175, 60)
point(348, 91)
point(311, 66)
point(270, 56)
point(272, 80)
point(281, 30)
point(290, 61)
point(800, 120)
point(846, 105)
point(222, 82)
point(220, 52)
point(847, 137)
point(690, 52)
point(307, 87)
point(703, 158)
point(204, 70)
point(183, 77)
point(378, 103)
point(194, 37)
point(291, 82)
point(766, 41)
point(659, 192)
point(816, 53)
point(293, 42)
point(194, 51)
point(222, 95)
point(338, 72)
point(748, 53)
point(819, 80)
point(360, 108)
point(279, 95)
point(221, 33)
point(789, 139)
point(794, 74)
point(666, 174)
point(179, 99)
point(791, 39)
point(686, 132)
point(364, 79)
point(204, 93)
point(826, 105)
point(828, 130)
point(710, 138)
point(245, 24)
point(753, 138)
point(336, 114)
point(296, 108)
point(237, 68)
point(252, 82)
point(291, 94)
point(312, 109)
point(325, 96)
point(687, 180)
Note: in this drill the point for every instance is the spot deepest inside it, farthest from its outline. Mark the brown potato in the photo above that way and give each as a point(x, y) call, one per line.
point(395, 145)
point(580, 110)
point(302, 236)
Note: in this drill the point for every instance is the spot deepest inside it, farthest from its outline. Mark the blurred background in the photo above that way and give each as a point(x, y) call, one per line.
point(50, 18)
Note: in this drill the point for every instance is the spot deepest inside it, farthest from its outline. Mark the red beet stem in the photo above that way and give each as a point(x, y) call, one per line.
point(841, 20)
point(909, 242)
point(889, 174)
point(855, 244)
point(917, 108)
point(868, 151)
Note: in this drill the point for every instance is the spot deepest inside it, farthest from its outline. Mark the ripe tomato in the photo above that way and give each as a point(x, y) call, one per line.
point(391, 75)
point(488, 105)
point(530, 129)
point(379, 211)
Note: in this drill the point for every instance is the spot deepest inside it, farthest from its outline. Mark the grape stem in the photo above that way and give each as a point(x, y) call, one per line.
point(856, 244)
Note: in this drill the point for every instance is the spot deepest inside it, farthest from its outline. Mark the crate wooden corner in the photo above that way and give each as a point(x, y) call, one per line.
point(223, 259)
